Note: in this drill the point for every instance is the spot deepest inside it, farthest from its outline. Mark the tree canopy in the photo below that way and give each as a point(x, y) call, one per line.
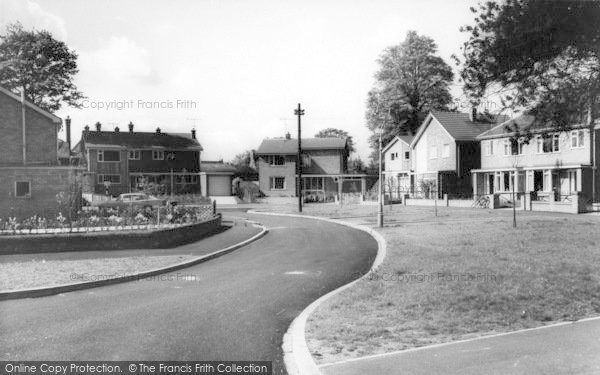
point(244, 163)
point(542, 55)
point(337, 133)
point(39, 65)
point(412, 80)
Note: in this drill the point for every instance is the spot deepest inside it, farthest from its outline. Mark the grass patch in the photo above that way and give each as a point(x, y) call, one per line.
point(46, 273)
point(462, 274)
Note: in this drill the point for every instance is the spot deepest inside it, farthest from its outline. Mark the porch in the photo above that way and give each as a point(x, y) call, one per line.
point(329, 188)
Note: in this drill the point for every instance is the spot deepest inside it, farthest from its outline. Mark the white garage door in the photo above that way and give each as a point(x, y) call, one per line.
point(219, 185)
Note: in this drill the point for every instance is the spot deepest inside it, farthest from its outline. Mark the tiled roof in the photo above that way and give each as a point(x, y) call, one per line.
point(290, 146)
point(461, 127)
point(522, 123)
point(216, 166)
point(405, 138)
point(140, 139)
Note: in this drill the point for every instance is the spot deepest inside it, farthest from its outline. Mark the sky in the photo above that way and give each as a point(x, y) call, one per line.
point(234, 69)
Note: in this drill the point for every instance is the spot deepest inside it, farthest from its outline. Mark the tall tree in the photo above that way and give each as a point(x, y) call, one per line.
point(39, 65)
point(538, 56)
point(337, 133)
point(412, 80)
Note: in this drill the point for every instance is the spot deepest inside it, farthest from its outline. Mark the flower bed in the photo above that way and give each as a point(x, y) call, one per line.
point(134, 218)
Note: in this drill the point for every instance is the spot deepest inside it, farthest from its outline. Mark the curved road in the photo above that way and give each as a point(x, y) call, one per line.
point(236, 307)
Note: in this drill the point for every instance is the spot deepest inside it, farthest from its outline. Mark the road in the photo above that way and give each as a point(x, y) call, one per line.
point(236, 307)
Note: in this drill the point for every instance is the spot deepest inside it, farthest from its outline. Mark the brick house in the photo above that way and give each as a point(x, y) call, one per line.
point(119, 162)
point(397, 171)
point(551, 165)
point(445, 150)
point(31, 175)
point(324, 168)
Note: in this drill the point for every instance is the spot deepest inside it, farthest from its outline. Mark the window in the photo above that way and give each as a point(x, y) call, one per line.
point(513, 147)
point(433, 152)
point(313, 183)
point(114, 179)
point(446, 151)
point(393, 156)
point(277, 183)
point(22, 189)
point(488, 148)
point(577, 138)
point(109, 156)
point(275, 159)
point(407, 155)
point(158, 155)
point(550, 143)
point(135, 155)
point(572, 175)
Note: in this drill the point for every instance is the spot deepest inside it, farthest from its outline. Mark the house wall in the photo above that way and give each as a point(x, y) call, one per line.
point(41, 136)
point(399, 164)
point(288, 171)
point(530, 158)
point(188, 160)
point(437, 136)
point(45, 184)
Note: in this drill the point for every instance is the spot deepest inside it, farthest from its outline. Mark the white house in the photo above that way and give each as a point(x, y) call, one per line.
point(397, 173)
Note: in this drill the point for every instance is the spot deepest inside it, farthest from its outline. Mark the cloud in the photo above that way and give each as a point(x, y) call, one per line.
point(32, 16)
point(118, 61)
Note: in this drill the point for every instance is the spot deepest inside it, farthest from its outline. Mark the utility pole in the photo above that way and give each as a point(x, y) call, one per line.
point(299, 112)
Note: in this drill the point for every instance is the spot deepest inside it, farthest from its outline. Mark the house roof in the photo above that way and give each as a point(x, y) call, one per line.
point(458, 125)
point(290, 146)
point(216, 167)
point(16, 97)
point(404, 138)
point(140, 139)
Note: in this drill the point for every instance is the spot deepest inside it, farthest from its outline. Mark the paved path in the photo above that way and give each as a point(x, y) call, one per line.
point(573, 348)
point(236, 307)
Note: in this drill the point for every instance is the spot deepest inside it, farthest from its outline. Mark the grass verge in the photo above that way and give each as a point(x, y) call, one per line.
point(462, 274)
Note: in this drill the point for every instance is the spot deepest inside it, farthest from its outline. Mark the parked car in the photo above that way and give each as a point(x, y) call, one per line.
point(133, 199)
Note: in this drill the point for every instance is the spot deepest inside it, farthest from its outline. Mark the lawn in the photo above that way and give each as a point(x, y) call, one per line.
point(40, 273)
point(462, 274)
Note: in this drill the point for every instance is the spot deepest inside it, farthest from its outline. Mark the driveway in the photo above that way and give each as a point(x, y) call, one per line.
point(236, 307)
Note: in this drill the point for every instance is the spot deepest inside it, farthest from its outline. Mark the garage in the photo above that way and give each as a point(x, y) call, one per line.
point(215, 178)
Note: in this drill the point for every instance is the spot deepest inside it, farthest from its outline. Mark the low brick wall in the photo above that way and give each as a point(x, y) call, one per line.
point(143, 239)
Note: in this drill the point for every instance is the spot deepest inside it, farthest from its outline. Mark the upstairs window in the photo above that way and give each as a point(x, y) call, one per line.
point(446, 151)
point(488, 148)
point(135, 155)
point(513, 147)
point(550, 143)
point(275, 159)
point(109, 156)
point(433, 152)
point(393, 156)
point(407, 155)
point(158, 155)
point(577, 138)
point(22, 189)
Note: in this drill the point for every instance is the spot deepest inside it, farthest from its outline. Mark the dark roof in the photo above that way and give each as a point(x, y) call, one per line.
point(216, 166)
point(140, 139)
point(523, 123)
point(404, 138)
point(290, 146)
point(461, 128)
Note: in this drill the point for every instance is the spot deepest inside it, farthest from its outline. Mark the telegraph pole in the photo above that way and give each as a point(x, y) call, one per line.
point(299, 112)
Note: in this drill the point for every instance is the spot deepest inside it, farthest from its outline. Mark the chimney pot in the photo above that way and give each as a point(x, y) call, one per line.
point(193, 133)
point(288, 135)
point(473, 114)
point(86, 128)
point(117, 129)
point(98, 126)
point(130, 127)
point(157, 130)
point(68, 130)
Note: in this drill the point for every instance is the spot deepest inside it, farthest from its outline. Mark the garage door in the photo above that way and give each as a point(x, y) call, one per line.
point(219, 185)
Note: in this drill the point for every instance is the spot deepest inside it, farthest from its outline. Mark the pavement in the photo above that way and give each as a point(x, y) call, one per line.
point(571, 348)
point(236, 307)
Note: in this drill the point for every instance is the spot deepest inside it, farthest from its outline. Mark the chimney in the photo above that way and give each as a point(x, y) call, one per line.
point(86, 128)
point(98, 126)
point(473, 114)
point(287, 135)
point(157, 130)
point(117, 129)
point(193, 133)
point(130, 127)
point(68, 130)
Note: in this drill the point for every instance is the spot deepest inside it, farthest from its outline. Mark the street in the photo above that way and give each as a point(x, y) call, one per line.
point(236, 307)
